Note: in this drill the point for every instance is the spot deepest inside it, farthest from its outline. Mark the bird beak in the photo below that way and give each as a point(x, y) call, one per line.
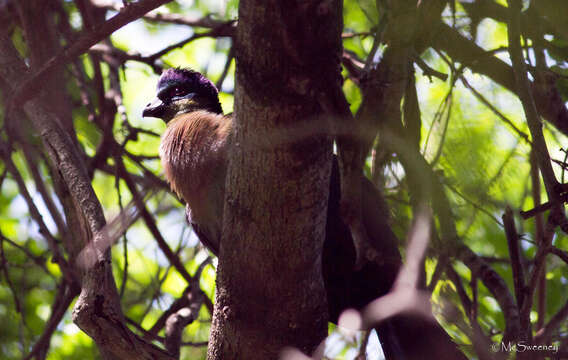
point(154, 109)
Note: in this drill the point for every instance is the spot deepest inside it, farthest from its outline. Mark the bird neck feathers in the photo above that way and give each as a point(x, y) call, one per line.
point(194, 150)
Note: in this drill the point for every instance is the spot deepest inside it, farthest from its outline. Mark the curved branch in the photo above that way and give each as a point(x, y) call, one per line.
point(205, 22)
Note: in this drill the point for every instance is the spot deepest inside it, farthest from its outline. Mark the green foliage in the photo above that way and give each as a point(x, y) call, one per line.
point(481, 161)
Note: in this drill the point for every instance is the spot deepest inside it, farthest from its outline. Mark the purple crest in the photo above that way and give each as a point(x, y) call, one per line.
point(188, 77)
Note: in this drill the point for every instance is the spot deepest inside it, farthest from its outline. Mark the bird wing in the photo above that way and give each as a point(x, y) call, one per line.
point(202, 233)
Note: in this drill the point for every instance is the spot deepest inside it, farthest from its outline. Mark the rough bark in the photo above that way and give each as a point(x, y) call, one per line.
point(269, 276)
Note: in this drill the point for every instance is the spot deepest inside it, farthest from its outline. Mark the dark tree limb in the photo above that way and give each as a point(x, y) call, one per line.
point(524, 92)
point(481, 342)
point(539, 209)
point(66, 269)
point(540, 236)
point(514, 246)
point(225, 72)
point(176, 323)
point(497, 286)
point(464, 298)
point(66, 293)
point(560, 253)
point(515, 255)
point(186, 314)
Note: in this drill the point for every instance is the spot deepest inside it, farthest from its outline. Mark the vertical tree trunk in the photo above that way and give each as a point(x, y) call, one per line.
point(270, 292)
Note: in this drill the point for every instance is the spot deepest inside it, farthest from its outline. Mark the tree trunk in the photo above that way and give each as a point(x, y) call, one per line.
point(270, 292)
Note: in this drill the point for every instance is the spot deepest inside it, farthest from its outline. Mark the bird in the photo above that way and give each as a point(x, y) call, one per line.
point(194, 149)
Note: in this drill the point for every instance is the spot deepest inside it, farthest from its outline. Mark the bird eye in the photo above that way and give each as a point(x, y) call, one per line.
point(178, 91)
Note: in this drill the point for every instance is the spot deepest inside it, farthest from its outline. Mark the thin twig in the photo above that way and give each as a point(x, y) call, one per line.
point(230, 57)
point(38, 260)
point(177, 304)
point(544, 334)
point(5, 153)
point(125, 240)
point(560, 253)
point(496, 111)
point(64, 297)
point(218, 32)
point(464, 298)
point(4, 265)
point(427, 70)
point(497, 286)
point(474, 204)
point(542, 207)
point(42, 189)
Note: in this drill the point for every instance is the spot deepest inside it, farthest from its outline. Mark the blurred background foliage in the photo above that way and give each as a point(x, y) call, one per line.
point(482, 161)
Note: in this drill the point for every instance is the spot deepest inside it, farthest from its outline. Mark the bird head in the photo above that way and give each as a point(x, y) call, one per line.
point(182, 91)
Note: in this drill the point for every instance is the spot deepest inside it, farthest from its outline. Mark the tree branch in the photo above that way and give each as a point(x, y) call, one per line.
point(515, 255)
point(133, 11)
point(524, 92)
point(155, 16)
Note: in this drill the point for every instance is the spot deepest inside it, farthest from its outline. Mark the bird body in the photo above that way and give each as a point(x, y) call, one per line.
point(194, 148)
point(194, 151)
